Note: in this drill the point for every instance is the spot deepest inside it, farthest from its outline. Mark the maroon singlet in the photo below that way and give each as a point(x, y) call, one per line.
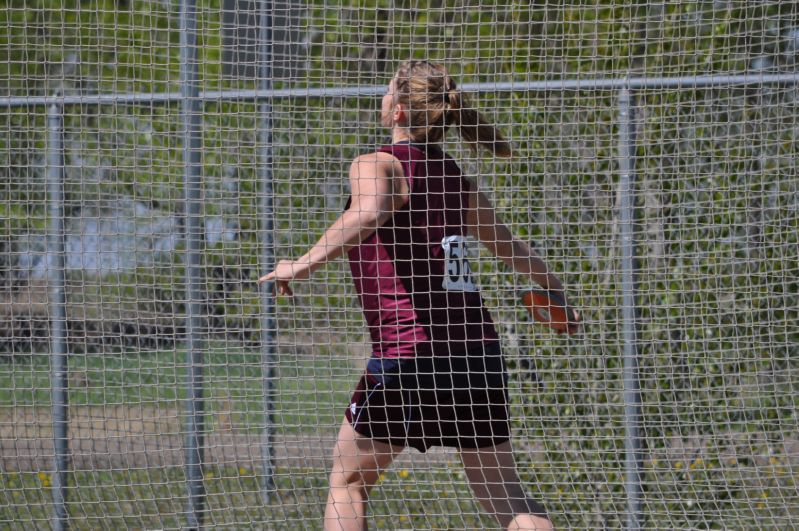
point(412, 275)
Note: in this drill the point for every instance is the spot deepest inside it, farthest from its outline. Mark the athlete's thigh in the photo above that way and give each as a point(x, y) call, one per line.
point(359, 459)
point(492, 466)
point(493, 478)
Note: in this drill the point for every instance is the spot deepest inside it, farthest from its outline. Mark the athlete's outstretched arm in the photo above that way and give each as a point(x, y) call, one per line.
point(378, 190)
point(486, 225)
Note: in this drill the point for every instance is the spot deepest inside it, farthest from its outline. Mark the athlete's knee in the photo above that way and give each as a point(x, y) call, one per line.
point(349, 479)
point(524, 513)
point(346, 501)
point(531, 522)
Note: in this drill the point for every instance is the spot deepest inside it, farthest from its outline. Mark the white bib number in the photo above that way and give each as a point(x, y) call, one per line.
point(457, 271)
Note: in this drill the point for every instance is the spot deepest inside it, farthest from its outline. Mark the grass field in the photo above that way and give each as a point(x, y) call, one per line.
point(579, 475)
point(156, 499)
point(422, 498)
point(309, 390)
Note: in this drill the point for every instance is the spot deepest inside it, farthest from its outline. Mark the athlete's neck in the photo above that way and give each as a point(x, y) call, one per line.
point(399, 135)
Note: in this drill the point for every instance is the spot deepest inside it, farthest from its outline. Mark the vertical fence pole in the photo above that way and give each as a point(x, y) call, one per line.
point(268, 310)
point(193, 230)
point(58, 312)
point(632, 391)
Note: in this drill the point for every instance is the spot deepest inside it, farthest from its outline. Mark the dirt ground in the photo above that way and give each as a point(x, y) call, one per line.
point(123, 437)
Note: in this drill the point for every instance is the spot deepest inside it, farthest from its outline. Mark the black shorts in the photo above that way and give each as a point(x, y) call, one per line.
point(459, 401)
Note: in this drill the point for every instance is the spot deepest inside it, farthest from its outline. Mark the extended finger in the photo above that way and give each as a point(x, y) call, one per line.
point(283, 288)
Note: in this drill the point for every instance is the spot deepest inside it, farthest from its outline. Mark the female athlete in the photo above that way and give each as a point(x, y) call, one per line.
point(436, 375)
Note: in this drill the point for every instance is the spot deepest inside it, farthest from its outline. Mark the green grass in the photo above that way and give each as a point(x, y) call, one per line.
point(578, 475)
point(421, 498)
point(156, 498)
point(310, 391)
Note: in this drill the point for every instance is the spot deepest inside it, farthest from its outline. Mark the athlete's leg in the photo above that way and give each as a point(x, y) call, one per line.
point(492, 475)
point(357, 464)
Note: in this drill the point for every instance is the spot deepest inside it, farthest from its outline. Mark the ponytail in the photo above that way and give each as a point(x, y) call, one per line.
point(472, 127)
point(434, 103)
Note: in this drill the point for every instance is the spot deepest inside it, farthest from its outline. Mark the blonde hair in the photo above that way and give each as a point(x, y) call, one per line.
point(433, 103)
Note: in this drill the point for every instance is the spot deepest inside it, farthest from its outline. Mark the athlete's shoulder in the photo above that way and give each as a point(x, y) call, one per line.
point(376, 157)
point(380, 161)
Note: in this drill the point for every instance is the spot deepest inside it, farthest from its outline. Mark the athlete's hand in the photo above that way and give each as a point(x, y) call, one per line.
point(285, 272)
point(574, 317)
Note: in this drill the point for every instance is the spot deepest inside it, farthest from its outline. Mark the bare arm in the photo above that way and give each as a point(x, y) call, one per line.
point(378, 190)
point(488, 228)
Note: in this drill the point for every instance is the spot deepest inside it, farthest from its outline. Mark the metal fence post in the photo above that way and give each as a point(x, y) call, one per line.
point(268, 310)
point(632, 392)
point(58, 313)
point(194, 233)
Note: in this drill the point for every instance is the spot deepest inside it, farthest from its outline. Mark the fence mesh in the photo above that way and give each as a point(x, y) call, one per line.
point(717, 219)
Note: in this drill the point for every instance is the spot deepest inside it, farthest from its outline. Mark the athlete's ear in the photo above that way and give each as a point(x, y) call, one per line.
point(399, 114)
